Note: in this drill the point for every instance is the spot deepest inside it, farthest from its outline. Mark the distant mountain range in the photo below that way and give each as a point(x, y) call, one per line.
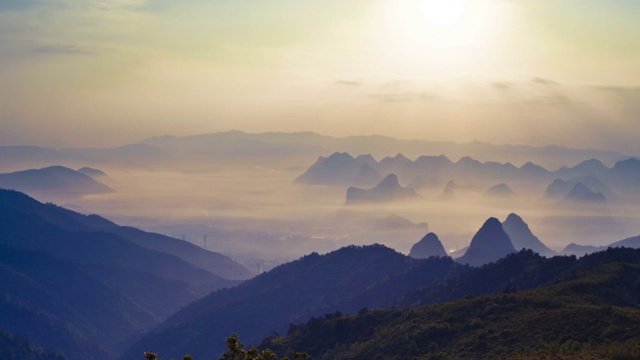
point(386, 191)
point(581, 195)
point(341, 169)
point(284, 149)
point(53, 180)
point(581, 250)
point(85, 287)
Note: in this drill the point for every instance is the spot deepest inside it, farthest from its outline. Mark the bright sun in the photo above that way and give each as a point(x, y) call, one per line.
point(442, 12)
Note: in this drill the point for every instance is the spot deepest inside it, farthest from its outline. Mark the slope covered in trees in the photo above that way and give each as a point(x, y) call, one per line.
point(591, 314)
point(346, 280)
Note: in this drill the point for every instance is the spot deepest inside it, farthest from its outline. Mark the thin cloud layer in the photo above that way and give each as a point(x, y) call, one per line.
point(514, 72)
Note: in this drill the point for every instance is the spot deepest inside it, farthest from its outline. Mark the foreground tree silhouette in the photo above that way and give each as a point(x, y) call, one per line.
point(235, 351)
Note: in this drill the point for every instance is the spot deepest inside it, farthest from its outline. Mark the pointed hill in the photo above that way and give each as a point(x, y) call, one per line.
point(394, 164)
point(522, 237)
point(592, 166)
point(489, 244)
point(531, 170)
point(53, 180)
point(339, 169)
point(387, 190)
point(427, 247)
point(580, 194)
point(557, 189)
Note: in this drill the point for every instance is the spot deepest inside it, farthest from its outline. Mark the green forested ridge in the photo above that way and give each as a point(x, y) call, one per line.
point(592, 314)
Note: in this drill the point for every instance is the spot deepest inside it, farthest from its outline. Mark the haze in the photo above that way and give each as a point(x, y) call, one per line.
point(86, 73)
point(84, 78)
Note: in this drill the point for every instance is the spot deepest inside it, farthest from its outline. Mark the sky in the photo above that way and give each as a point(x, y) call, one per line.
point(107, 73)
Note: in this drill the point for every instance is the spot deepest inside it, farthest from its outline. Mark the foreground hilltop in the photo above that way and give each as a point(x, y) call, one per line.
point(83, 286)
point(589, 313)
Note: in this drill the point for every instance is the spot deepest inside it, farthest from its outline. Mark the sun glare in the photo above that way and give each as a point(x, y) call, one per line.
point(442, 12)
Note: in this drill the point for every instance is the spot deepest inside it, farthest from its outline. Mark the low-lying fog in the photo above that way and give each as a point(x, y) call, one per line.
point(260, 217)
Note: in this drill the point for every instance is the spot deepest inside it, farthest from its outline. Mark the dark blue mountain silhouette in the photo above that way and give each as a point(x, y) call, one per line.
point(489, 244)
point(53, 180)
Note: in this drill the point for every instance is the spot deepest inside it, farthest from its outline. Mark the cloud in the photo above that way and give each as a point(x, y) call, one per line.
point(62, 49)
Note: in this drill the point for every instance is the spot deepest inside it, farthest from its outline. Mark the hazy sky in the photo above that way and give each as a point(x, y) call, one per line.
point(102, 73)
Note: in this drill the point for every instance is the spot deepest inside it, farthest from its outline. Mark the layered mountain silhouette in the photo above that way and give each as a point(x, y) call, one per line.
point(591, 166)
point(625, 173)
point(558, 189)
point(522, 238)
point(387, 190)
point(489, 244)
point(53, 180)
point(580, 195)
point(345, 280)
point(83, 286)
point(427, 247)
point(206, 149)
point(342, 169)
point(581, 250)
